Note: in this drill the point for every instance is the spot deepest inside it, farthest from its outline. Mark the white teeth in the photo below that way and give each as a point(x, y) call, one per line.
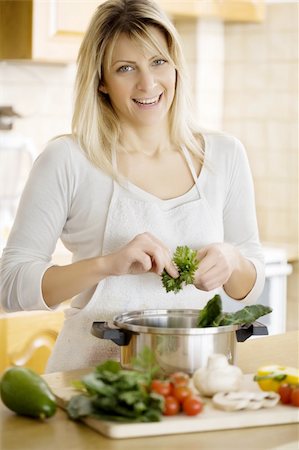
point(147, 101)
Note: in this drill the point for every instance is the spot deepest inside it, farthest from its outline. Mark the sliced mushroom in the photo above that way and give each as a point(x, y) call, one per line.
point(235, 401)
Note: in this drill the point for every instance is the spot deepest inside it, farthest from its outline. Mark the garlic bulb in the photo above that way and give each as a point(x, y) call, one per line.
point(218, 376)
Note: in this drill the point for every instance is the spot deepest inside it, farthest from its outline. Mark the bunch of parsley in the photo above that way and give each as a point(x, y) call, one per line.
point(187, 263)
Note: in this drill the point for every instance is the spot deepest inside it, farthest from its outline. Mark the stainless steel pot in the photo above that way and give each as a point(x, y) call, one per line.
point(172, 336)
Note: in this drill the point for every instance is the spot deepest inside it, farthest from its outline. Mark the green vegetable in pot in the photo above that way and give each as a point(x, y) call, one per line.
point(210, 312)
point(246, 315)
point(212, 316)
point(187, 263)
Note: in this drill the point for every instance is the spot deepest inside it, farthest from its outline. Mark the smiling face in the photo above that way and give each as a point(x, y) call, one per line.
point(140, 82)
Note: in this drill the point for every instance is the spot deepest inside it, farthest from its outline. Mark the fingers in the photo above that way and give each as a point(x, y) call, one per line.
point(216, 266)
point(143, 254)
point(171, 270)
point(207, 260)
point(140, 263)
point(212, 279)
point(159, 253)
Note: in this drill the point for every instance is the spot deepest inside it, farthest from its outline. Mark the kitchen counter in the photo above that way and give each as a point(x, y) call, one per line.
point(60, 433)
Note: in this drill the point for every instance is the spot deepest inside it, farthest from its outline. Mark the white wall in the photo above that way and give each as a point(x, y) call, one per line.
point(42, 94)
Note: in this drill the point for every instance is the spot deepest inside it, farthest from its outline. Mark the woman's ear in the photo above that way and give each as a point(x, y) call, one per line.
point(103, 89)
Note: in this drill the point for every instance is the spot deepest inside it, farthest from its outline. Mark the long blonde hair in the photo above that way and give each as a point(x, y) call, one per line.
point(95, 123)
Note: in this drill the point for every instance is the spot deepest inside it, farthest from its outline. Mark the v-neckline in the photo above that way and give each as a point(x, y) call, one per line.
point(140, 192)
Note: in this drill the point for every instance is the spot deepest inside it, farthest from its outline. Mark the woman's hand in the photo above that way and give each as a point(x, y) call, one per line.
point(145, 253)
point(222, 264)
point(217, 262)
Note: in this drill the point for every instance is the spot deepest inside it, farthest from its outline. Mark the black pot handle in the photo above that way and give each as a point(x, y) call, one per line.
point(103, 330)
point(254, 329)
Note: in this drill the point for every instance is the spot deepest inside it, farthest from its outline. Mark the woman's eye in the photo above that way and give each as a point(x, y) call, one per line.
point(159, 62)
point(125, 68)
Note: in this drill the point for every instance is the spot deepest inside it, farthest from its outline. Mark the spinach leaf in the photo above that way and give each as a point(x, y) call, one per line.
point(95, 385)
point(109, 367)
point(212, 316)
point(246, 315)
point(210, 312)
point(80, 406)
point(116, 394)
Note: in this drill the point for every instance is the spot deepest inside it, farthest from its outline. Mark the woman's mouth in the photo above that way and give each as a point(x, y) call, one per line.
point(148, 101)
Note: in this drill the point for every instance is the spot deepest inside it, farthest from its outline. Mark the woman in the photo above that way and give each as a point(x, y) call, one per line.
point(134, 180)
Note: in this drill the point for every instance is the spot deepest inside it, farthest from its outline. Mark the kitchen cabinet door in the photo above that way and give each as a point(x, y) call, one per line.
point(46, 31)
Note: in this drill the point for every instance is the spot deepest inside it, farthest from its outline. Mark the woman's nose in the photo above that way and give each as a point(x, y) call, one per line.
point(146, 80)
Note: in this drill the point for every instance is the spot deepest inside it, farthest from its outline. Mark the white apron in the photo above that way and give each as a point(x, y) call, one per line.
point(133, 211)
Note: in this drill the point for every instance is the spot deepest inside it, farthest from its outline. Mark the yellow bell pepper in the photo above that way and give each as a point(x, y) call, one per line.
point(270, 378)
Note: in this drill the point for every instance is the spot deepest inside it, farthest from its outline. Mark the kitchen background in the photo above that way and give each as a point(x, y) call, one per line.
point(244, 76)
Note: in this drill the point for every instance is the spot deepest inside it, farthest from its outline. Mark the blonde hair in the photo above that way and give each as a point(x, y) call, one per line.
point(95, 123)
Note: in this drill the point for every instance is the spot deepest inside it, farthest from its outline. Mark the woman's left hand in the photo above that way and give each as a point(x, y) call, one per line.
point(217, 263)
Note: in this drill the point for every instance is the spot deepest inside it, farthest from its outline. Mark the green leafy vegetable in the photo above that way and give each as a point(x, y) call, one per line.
point(146, 362)
point(187, 263)
point(210, 312)
point(212, 316)
point(116, 394)
point(246, 315)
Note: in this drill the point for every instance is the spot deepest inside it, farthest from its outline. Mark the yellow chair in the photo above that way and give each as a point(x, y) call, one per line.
point(35, 352)
point(27, 339)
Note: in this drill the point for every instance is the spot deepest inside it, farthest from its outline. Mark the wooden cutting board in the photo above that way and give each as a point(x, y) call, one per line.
point(210, 419)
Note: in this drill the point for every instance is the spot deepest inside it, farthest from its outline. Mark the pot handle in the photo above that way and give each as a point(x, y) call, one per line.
point(254, 329)
point(103, 330)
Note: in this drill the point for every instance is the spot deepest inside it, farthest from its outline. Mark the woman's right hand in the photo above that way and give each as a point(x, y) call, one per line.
point(144, 253)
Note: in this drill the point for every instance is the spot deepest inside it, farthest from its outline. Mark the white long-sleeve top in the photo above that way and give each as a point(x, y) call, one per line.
point(67, 197)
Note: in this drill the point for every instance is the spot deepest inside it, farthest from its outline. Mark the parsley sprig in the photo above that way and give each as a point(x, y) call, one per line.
point(187, 263)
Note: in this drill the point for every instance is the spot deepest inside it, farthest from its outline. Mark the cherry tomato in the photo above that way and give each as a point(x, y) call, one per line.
point(181, 392)
point(161, 387)
point(285, 391)
point(171, 406)
point(295, 396)
point(179, 379)
point(192, 405)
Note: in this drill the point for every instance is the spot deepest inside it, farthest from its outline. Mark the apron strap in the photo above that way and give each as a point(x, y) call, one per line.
point(191, 167)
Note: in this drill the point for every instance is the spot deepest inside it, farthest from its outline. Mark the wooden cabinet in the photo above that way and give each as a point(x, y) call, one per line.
point(51, 31)
point(27, 338)
point(46, 31)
